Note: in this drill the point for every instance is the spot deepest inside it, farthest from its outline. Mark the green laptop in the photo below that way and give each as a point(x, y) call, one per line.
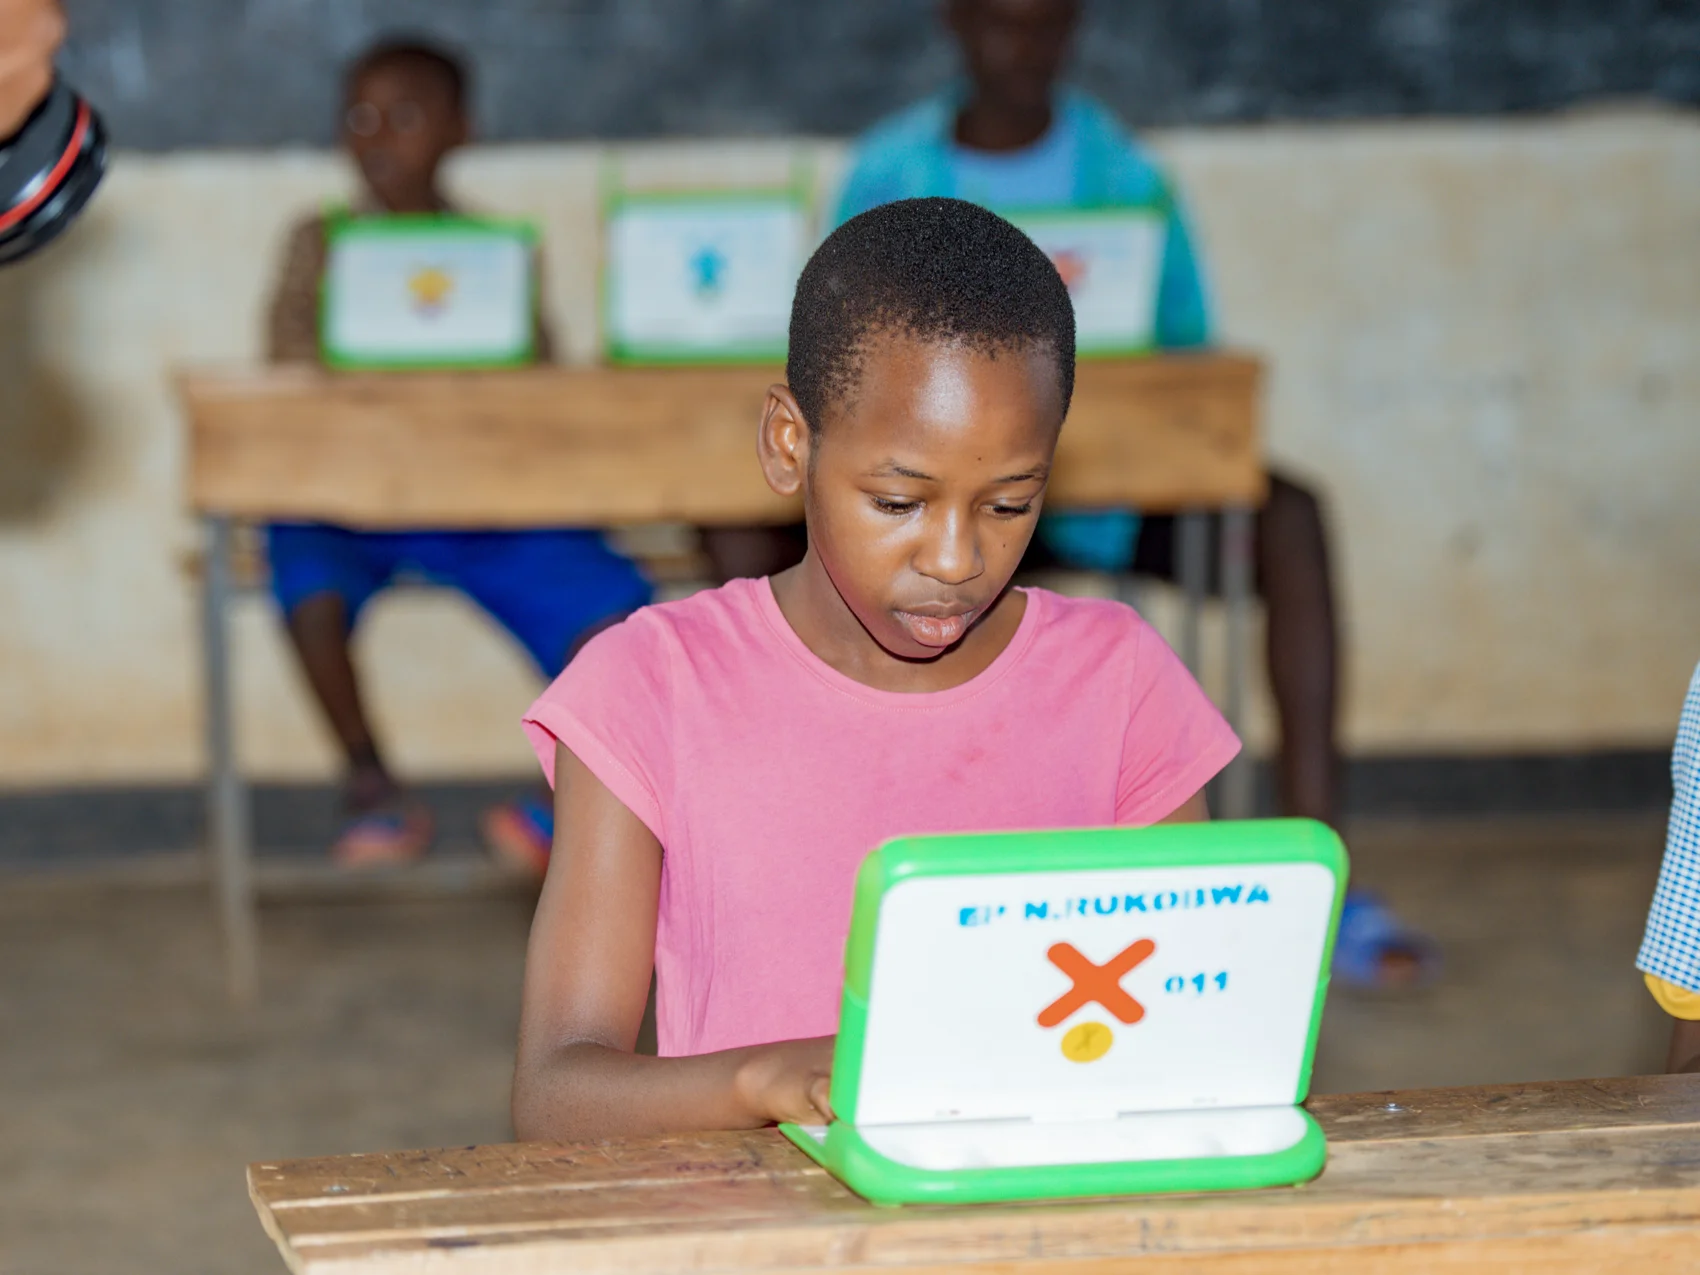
point(1087, 1012)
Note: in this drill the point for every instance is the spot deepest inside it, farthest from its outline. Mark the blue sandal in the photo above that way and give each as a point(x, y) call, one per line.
point(1369, 934)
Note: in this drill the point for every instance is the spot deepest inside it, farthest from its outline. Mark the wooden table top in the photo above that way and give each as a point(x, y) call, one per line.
point(1567, 1176)
point(551, 445)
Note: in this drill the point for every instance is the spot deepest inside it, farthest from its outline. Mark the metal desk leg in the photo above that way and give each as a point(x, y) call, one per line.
point(1236, 595)
point(227, 796)
point(1192, 551)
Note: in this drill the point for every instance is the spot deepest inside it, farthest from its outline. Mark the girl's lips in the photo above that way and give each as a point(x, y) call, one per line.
point(936, 630)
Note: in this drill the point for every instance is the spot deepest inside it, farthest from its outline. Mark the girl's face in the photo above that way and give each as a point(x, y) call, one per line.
point(923, 488)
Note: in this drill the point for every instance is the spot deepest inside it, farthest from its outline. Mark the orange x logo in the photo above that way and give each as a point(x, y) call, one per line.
point(1101, 983)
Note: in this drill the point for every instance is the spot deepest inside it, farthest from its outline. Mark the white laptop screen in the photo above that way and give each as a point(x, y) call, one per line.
point(706, 275)
point(1085, 994)
point(458, 295)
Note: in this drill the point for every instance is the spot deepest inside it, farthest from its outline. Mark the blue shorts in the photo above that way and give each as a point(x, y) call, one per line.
point(546, 587)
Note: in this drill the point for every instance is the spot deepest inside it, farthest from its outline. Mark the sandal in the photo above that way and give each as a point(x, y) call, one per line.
point(1377, 952)
point(383, 839)
point(518, 835)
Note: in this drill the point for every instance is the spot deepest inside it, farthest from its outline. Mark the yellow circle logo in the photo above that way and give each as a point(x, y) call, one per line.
point(430, 288)
point(1087, 1042)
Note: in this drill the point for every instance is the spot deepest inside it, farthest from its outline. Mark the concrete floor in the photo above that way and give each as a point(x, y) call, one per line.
point(133, 1097)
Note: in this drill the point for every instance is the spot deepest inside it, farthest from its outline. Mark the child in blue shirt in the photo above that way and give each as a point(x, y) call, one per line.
point(550, 588)
point(1009, 137)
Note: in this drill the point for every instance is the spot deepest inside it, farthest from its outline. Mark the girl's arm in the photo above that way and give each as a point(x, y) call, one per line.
point(587, 976)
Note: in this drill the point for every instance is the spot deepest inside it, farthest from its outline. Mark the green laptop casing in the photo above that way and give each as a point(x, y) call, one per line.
point(848, 1153)
point(342, 227)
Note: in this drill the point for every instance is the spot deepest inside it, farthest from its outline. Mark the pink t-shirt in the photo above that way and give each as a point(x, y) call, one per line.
point(768, 776)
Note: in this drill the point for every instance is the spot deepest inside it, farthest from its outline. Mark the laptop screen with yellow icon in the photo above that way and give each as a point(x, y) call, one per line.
point(428, 291)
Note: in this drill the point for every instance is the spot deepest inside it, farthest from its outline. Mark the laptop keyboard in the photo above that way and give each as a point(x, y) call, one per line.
point(1154, 1135)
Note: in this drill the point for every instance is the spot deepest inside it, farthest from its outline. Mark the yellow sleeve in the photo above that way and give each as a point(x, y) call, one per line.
point(1676, 1001)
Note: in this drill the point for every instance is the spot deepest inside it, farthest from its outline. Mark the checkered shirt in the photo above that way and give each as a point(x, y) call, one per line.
point(1671, 948)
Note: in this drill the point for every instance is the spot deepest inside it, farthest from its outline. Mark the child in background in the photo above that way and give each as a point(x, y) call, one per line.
point(403, 112)
point(1013, 136)
point(1670, 952)
point(722, 764)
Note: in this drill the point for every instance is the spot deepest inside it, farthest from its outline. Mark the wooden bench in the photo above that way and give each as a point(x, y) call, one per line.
point(1574, 1176)
point(602, 446)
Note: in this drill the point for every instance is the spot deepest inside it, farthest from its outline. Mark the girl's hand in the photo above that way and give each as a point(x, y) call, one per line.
point(789, 1080)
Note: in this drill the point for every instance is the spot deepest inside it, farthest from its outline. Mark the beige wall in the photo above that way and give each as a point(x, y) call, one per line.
point(1483, 338)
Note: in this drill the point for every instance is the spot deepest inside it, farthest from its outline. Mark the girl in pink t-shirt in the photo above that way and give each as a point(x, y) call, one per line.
point(722, 764)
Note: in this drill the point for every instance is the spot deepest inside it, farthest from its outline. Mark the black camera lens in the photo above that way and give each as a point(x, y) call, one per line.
point(48, 170)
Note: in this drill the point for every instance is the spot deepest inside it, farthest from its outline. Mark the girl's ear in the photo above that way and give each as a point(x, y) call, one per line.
point(783, 443)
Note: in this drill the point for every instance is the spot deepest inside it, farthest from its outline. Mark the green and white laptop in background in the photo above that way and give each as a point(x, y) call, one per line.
point(703, 276)
point(1111, 260)
point(1086, 1012)
point(428, 291)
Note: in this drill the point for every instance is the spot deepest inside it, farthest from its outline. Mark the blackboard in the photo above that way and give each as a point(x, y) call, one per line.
point(195, 73)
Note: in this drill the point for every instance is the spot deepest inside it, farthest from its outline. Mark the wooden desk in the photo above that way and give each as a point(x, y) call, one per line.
point(601, 446)
point(1580, 1176)
point(547, 446)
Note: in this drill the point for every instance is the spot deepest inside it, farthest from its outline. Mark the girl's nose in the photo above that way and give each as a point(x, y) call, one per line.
point(950, 553)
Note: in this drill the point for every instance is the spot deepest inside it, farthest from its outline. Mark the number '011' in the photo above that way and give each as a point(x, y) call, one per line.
point(1175, 984)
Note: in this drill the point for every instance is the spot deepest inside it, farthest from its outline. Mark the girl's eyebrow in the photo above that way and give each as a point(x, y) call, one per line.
point(891, 469)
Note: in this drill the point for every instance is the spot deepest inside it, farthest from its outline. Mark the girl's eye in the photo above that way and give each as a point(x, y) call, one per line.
point(895, 506)
point(363, 119)
point(1012, 511)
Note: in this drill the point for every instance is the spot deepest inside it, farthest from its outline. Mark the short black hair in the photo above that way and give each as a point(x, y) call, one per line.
point(940, 270)
point(416, 53)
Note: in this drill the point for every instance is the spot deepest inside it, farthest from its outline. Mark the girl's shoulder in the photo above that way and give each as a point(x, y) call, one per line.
point(736, 601)
point(711, 623)
point(1099, 638)
point(622, 701)
point(1065, 618)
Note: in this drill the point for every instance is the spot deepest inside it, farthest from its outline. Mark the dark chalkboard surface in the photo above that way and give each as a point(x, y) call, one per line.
point(171, 73)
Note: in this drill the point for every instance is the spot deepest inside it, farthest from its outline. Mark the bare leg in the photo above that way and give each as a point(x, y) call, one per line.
point(1298, 594)
point(319, 631)
point(1290, 560)
point(1303, 643)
